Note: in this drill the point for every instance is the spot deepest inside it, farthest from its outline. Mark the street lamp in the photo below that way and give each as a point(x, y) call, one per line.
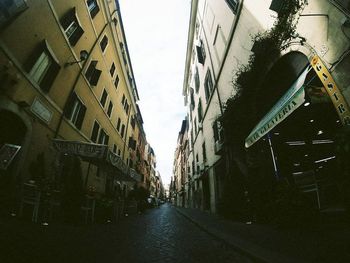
point(83, 56)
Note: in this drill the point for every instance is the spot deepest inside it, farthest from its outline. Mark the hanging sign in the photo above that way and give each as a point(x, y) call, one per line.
point(290, 101)
point(334, 93)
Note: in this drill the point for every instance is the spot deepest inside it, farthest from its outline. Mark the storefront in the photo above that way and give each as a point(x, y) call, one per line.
point(302, 137)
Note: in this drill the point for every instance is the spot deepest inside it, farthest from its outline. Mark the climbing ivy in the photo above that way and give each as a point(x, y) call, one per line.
point(266, 49)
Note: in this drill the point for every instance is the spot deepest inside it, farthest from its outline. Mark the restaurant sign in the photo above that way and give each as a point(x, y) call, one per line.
point(290, 101)
point(87, 150)
point(116, 161)
point(334, 93)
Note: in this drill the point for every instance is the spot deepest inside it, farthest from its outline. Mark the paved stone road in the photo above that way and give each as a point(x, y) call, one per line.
point(159, 235)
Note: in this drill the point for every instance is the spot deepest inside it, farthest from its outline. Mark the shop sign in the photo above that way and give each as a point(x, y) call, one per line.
point(40, 110)
point(87, 150)
point(116, 161)
point(134, 175)
point(290, 101)
point(7, 154)
point(334, 93)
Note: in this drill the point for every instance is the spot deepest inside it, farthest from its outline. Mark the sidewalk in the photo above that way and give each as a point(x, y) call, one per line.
point(264, 243)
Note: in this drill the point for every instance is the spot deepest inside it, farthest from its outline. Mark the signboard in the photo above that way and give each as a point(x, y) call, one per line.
point(290, 101)
point(116, 161)
point(334, 93)
point(40, 110)
point(7, 154)
point(88, 150)
point(134, 175)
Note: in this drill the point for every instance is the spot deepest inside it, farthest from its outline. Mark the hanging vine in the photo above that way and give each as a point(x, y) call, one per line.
point(266, 49)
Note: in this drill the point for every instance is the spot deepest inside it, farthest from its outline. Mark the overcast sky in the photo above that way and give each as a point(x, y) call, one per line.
point(156, 32)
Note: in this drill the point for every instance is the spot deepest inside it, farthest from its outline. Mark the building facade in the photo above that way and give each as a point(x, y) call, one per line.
point(308, 70)
point(67, 87)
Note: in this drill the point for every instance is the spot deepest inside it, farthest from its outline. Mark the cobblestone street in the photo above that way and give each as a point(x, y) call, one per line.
point(159, 235)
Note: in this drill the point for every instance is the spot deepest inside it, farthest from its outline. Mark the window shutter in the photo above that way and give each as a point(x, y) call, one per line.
point(50, 76)
point(200, 55)
point(276, 5)
point(33, 57)
point(69, 106)
point(76, 36)
point(95, 77)
point(94, 12)
point(81, 116)
point(68, 18)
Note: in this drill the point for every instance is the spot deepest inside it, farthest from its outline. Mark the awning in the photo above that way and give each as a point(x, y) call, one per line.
point(98, 154)
point(290, 101)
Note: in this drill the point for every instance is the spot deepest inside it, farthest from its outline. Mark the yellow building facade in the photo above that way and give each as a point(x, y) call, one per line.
point(66, 76)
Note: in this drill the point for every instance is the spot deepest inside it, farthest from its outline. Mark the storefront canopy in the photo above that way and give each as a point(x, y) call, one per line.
point(290, 101)
point(99, 155)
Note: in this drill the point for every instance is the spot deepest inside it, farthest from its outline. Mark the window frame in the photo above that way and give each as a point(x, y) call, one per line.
point(67, 21)
point(94, 10)
point(104, 45)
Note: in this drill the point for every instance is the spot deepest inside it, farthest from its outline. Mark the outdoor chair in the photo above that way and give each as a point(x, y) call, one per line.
point(89, 209)
point(30, 196)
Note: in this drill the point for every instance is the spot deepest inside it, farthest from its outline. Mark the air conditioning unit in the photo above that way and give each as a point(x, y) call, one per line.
point(218, 147)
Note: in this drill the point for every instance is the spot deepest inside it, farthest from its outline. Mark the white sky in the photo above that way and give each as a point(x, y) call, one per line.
point(156, 32)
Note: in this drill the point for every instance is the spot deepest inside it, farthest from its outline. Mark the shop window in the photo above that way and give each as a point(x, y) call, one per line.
point(104, 98)
point(208, 85)
point(43, 66)
point(104, 43)
point(75, 111)
point(201, 55)
point(196, 79)
point(95, 130)
point(10, 9)
point(93, 7)
point(112, 70)
point(71, 26)
point(233, 4)
point(92, 73)
point(110, 108)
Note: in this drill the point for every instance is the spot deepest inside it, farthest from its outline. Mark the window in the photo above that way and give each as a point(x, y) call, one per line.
point(92, 74)
point(104, 43)
point(208, 85)
point(123, 99)
point(204, 151)
point(115, 148)
point(71, 26)
point(95, 131)
point(122, 131)
point(112, 70)
point(119, 152)
point(126, 106)
point(118, 124)
point(43, 66)
point(116, 82)
point(103, 98)
point(75, 111)
point(200, 111)
point(218, 131)
point(233, 4)
point(93, 7)
point(201, 53)
point(11, 8)
point(196, 79)
point(110, 108)
point(192, 99)
point(103, 138)
point(195, 125)
point(133, 122)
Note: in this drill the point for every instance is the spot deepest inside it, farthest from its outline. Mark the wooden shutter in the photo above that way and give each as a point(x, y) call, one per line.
point(76, 36)
point(81, 116)
point(68, 18)
point(95, 77)
point(50, 76)
point(200, 55)
point(69, 105)
point(34, 55)
point(94, 133)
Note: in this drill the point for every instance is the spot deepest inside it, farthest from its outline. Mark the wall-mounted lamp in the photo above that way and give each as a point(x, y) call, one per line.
point(83, 56)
